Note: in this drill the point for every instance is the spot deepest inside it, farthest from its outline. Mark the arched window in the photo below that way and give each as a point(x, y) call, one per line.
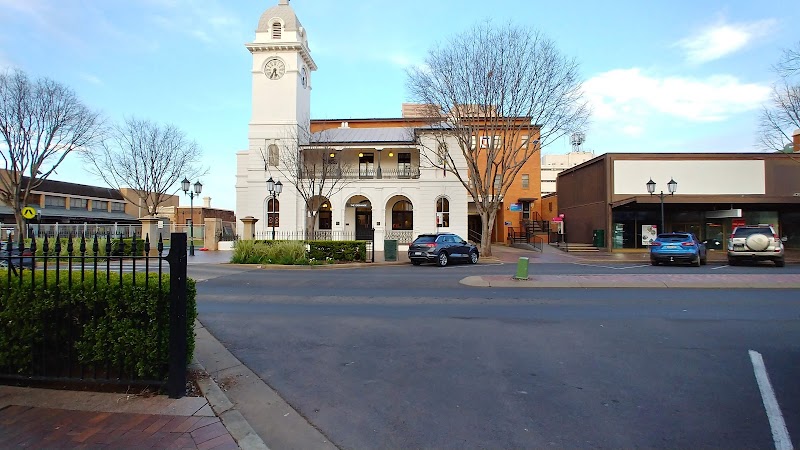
point(273, 155)
point(442, 212)
point(276, 30)
point(273, 212)
point(403, 215)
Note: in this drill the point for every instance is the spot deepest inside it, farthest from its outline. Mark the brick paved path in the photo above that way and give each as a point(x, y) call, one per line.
point(29, 427)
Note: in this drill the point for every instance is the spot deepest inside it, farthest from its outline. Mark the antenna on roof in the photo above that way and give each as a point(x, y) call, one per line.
point(577, 139)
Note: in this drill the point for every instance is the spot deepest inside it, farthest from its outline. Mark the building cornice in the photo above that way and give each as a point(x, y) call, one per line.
point(258, 47)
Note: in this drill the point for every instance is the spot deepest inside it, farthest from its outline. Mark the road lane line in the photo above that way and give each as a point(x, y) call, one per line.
point(779, 432)
point(720, 267)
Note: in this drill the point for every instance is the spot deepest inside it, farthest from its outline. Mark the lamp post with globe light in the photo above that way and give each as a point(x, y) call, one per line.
point(274, 189)
point(198, 188)
point(672, 186)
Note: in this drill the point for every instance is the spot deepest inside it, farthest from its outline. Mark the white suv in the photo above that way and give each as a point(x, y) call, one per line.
point(755, 243)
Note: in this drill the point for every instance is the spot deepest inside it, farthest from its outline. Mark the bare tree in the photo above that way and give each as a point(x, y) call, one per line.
point(789, 65)
point(781, 116)
point(41, 122)
point(492, 87)
point(308, 162)
point(147, 157)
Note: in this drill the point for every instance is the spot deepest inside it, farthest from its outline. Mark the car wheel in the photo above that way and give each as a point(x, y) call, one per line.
point(704, 261)
point(780, 262)
point(416, 263)
point(698, 263)
point(732, 262)
point(473, 257)
point(654, 262)
point(442, 259)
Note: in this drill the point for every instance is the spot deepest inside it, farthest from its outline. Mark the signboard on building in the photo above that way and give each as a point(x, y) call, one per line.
point(649, 234)
point(515, 207)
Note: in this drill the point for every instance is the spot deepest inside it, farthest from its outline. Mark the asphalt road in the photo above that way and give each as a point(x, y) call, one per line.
point(403, 356)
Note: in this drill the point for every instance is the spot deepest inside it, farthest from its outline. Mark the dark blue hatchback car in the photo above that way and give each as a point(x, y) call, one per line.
point(677, 247)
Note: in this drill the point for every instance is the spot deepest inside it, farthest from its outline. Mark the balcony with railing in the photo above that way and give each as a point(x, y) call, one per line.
point(354, 173)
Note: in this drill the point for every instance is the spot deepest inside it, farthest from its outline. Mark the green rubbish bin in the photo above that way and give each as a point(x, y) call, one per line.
point(390, 250)
point(599, 238)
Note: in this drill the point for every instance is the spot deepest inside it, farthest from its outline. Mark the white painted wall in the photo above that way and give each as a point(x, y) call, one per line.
point(694, 177)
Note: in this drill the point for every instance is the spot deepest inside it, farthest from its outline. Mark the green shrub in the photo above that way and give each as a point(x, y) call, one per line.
point(275, 252)
point(340, 251)
point(119, 325)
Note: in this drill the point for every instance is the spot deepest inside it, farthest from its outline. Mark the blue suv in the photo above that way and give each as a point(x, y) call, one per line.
point(677, 247)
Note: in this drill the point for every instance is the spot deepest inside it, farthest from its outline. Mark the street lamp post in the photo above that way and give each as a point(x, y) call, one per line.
point(274, 190)
point(672, 186)
point(198, 188)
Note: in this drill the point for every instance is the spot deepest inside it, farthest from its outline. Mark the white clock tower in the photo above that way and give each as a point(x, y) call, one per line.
point(280, 118)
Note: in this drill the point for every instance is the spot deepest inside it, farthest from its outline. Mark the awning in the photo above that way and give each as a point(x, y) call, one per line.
point(624, 201)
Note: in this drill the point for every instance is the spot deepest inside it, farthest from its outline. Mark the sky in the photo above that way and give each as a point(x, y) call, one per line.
point(662, 76)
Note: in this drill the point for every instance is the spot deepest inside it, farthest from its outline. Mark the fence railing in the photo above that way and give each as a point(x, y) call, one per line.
point(318, 235)
point(86, 229)
point(392, 173)
point(401, 236)
point(64, 303)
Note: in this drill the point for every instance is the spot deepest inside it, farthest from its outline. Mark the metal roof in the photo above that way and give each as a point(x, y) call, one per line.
point(386, 135)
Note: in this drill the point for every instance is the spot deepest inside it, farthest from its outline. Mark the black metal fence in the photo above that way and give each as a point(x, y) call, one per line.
point(56, 288)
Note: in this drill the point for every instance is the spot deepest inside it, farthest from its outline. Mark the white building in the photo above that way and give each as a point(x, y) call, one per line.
point(552, 165)
point(370, 176)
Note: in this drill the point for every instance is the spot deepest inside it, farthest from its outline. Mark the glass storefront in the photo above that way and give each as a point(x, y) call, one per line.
point(631, 229)
point(628, 227)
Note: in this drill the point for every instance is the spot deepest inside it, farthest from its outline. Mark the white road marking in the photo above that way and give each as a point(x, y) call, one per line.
point(720, 267)
point(612, 267)
point(779, 432)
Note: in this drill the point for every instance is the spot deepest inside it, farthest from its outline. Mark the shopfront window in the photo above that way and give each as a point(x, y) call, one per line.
point(629, 228)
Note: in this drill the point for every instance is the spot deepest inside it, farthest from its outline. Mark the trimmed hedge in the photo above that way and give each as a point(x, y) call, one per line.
point(121, 326)
point(340, 251)
point(298, 252)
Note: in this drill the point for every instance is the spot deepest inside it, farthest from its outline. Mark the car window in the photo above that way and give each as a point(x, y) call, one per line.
point(748, 231)
point(457, 239)
point(673, 237)
point(425, 239)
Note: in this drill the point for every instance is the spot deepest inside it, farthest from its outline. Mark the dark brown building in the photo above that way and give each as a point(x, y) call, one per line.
point(608, 197)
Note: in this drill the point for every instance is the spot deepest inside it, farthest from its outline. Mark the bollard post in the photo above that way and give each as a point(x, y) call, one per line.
point(522, 269)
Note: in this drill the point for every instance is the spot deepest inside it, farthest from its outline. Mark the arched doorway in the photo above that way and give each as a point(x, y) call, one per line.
point(363, 217)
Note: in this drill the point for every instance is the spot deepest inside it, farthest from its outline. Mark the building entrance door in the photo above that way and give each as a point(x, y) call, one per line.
point(715, 234)
point(364, 224)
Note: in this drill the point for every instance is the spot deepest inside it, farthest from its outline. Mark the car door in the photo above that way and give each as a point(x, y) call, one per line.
point(461, 247)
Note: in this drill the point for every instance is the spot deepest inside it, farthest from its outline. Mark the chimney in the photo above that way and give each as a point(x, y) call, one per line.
point(796, 140)
point(207, 202)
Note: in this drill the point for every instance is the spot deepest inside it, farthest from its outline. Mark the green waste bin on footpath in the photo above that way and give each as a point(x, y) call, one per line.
point(390, 250)
point(599, 238)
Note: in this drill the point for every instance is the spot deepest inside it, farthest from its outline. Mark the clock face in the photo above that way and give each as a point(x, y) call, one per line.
point(303, 77)
point(274, 68)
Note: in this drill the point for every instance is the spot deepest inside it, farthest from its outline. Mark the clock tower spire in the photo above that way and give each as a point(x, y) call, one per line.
point(281, 74)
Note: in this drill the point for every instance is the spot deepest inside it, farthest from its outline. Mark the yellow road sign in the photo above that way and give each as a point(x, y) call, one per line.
point(28, 212)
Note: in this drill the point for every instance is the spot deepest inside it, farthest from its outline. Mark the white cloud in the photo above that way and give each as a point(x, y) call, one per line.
point(91, 79)
point(204, 20)
point(624, 94)
point(722, 39)
point(633, 130)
